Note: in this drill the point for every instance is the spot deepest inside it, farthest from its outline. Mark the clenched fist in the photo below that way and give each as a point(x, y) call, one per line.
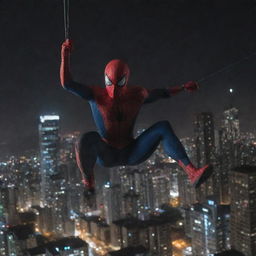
point(191, 86)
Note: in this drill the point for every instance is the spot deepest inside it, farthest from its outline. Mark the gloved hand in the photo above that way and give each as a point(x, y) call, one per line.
point(191, 86)
point(66, 48)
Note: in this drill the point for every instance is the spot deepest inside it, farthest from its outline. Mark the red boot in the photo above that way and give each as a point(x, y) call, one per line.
point(89, 184)
point(197, 176)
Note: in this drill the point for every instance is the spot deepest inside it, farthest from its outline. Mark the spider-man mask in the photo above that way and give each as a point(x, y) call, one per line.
point(116, 77)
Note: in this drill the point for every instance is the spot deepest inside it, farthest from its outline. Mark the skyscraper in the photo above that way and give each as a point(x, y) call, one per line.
point(204, 138)
point(231, 124)
point(161, 190)
point(243, 209)
point(112, 202)
point(229, 135)
point(210, 228)
point(205, 149)
point(48, 141)
point(247, 154)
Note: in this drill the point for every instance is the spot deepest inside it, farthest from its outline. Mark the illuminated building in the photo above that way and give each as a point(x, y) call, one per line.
point(64, 247)
point(154, 233)
point(231, 124)
point(19, 238)
point(174, 196)
point(61, 222)
point(12, 245)
point(3, 233)
point(130, 204)
point(73, 186)
point(136, 189)
point(112, 202)
point(247, 149)
point(205, 151)
point(71, 175)
point(115, 235)
point(3, 244)
point(8, 200)
point(243, 210)
point(204, 138)
point(160, 239)
point(28, 180)
point(141, 194)
point(147, 188)
point(45, 219)
point(33, 180)
point(229, 136)
point(67, 146)
point(181, 247)
point(49, 146)
point(161, 190)
point(114, 175)
point(210, 228)
point(130, 251)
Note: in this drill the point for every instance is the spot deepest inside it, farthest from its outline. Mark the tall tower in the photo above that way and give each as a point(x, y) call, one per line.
point(230, 124)
point(48, 141)
point(243, 209)
point(229, 149)
point(205, 150)
point(229, 136)
point(204, 138)
point(112, 202)
point(210, 228)
point(161, 190)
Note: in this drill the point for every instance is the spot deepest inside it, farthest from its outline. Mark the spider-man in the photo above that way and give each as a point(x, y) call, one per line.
point(114, 109)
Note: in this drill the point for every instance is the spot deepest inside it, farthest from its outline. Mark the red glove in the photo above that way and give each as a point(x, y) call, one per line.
point(65, 75)
point(191, 86)
point(89, 183)
point(66, 48)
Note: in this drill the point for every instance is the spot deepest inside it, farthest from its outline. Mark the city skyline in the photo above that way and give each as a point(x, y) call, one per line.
point(5, 151)
point(149, 208)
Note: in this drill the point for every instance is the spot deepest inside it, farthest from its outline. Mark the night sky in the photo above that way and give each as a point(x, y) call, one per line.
point(164, 42)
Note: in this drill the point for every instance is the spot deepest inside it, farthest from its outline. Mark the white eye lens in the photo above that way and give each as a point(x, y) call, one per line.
point(122, 81)
point(107, 80)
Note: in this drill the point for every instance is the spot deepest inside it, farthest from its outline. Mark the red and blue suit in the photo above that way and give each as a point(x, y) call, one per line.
point(115, 109)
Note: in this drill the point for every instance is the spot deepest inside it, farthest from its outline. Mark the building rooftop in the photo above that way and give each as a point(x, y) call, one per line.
point(209, 209)
point(130, 251)
point(130, 223)
point(168, 215)
point(131, 194)
point(230, 253)
point(245, 169)
point(22, 232)
point(96, 219)
point(67, 243)
point(26, 217)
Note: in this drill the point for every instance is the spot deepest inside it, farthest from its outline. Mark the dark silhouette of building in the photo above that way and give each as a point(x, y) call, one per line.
point(243, 209)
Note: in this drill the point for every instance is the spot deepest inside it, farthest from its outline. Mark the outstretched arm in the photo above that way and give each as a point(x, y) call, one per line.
point(156, 94)
point(66, 78)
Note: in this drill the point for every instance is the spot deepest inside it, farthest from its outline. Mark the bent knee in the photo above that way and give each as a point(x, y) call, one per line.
point(165, 125)
point(88, 138)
